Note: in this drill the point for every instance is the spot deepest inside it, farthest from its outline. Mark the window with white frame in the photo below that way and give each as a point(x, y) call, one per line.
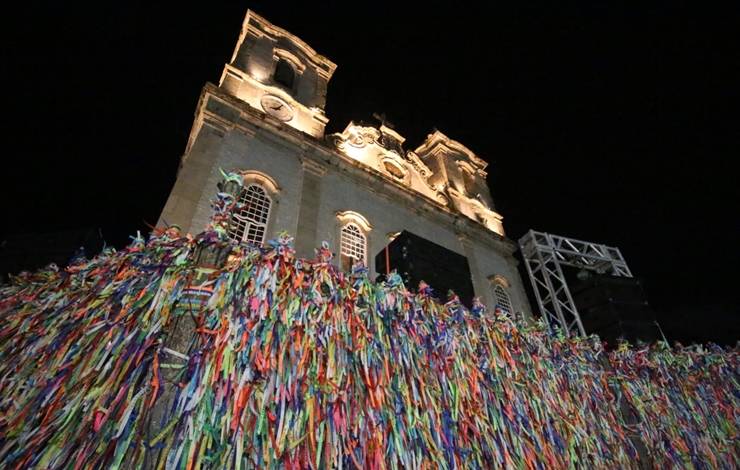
point(353, 246)
point(249, 224)
point(502, 299)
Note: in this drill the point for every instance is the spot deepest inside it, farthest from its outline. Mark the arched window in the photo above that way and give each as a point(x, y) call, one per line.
point(503, 302)
point(284, 74)
point(353, 246)
point(249, 224)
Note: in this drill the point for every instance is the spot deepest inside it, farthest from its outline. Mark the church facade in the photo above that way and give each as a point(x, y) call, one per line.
point(356, 189)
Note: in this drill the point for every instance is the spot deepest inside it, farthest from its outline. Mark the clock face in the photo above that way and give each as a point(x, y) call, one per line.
point(277, 107)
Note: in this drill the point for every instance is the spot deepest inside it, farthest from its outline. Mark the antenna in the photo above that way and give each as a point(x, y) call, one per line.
point(661, 331)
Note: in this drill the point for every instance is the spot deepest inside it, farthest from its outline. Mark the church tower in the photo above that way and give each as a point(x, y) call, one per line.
point(276, 72)
point(355, 189)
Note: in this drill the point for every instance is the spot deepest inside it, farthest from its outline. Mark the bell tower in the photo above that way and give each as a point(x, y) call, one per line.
point(279, 74)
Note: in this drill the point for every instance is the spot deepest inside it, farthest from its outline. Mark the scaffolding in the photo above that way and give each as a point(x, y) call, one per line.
point(545, 255)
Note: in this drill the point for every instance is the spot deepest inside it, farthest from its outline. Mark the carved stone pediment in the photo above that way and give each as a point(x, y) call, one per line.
point(423, 170)
point(360, 137)
point(380, 149)
point(476, 209)
point(438, 143)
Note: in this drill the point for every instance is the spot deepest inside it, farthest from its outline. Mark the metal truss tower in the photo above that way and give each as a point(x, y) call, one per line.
point(545, 254)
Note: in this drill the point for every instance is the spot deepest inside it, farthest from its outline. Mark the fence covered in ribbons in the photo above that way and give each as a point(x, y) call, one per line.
point(190, 353)
point(290, 363)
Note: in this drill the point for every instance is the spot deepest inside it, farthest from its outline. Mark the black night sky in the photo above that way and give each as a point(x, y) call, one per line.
point(602, 123)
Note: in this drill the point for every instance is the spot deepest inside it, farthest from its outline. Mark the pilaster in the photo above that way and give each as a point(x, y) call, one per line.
point(479, 281)
point(308, 211)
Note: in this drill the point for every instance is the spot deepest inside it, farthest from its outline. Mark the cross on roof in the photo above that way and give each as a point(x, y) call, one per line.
point(383, 120)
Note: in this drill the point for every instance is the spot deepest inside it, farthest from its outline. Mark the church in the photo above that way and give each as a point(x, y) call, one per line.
point(357, 189)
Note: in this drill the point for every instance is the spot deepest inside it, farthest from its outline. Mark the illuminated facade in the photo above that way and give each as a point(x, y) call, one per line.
point(355, 189)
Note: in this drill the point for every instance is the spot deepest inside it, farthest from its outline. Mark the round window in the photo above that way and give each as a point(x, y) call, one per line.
point(394, 170)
